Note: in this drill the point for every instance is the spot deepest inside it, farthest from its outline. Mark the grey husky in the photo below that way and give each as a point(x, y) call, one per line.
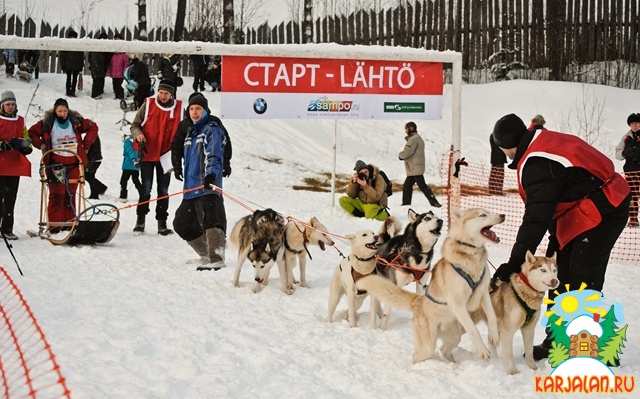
point(258, 238)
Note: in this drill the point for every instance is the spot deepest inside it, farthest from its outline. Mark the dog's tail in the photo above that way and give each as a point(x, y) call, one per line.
point(234, 238)
point(388, 292)
point(390, 228)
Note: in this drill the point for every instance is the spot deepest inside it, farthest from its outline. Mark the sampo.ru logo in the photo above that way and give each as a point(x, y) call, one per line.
point(325, 105)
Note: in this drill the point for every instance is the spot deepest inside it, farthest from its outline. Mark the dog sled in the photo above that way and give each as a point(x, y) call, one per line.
point(93, 224)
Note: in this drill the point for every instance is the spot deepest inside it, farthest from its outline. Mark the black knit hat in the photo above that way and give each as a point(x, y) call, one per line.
point(508, 131)
point(60, 101)
point(359, 165)
point(633, 118)
point(198, 99)
point(166, 85)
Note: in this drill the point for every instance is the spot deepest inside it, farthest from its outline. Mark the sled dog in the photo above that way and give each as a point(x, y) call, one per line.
point(258, 238)
point(459, 284)
point(361, 262)
point(296, 239)
point(412, 249)
point(517, 305)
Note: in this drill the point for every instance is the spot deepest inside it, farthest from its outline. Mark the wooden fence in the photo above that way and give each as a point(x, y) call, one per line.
point(574, 40)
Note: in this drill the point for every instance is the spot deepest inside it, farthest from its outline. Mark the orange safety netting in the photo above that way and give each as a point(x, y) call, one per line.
point(28, 367)
point(479, 188)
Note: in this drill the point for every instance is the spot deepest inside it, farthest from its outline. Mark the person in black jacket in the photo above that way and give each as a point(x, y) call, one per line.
point(169, 69)
point(95, 160)
point(200, 63)
point(98, 64)
point(177, 147)
point(496, 176)
point(140, 74)
point(214, 75)
point(571, 190)
point(71, 63)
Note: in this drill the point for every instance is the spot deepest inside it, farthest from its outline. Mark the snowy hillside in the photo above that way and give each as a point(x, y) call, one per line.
point(132, 320)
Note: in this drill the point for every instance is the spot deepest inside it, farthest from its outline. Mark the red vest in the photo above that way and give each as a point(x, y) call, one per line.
point(12, 162)
point(576, 217)
point(159, 127)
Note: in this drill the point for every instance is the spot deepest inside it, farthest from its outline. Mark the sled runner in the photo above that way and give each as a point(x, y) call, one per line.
point(94, 224)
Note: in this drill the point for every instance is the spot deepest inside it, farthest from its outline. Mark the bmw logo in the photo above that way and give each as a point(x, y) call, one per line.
point(260, 106)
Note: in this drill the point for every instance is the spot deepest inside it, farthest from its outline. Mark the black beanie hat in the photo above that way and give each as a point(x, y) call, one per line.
point(508, 131)
point(198, 99)
point(60, 101)
point(633, 118)
point(166, 85)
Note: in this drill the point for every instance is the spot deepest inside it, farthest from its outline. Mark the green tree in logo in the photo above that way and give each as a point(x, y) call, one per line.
point(558, 330)
point(612, 341)
point(557, 354)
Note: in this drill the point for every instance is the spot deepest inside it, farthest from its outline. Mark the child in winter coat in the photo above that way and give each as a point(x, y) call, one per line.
point(130, 167)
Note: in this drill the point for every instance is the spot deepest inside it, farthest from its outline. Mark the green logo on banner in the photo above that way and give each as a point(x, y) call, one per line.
point(404, 107)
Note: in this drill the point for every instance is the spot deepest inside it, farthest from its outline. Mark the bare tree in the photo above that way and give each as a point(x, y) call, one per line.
point(228, 22)
point(294, 9)
point(587, 117)
point(162, 14)
point(307, 24)
point(248, 13)
point(181, 14)
point(204, 19)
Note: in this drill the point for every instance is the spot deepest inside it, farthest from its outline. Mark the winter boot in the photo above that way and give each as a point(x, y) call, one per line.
point(163, 230)
point(433, 201)
point(200, 246)
point(215, 249)
point(123, 195)
point(357, 213)
point(542, 351)
point(139, 228)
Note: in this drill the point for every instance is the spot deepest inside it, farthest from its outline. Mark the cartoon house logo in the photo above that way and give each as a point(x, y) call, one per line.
point(587, 343)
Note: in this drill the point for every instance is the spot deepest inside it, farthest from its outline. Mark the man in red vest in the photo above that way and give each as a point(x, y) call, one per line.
point(571, 190)
point(153, 129)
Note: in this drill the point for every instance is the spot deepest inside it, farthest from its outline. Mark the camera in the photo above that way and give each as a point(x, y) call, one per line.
point(362, 176)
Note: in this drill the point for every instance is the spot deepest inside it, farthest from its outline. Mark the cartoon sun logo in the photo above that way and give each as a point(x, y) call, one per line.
point(572, 304)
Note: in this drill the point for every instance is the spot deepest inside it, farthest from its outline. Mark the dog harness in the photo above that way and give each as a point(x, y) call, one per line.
point(529, 313)
point(356, 275)
point(472, 284)
point(305, 241)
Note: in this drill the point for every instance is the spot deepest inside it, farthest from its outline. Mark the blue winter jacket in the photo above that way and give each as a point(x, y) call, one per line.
point(10, 56)
point(129, 154)
point(203, 155)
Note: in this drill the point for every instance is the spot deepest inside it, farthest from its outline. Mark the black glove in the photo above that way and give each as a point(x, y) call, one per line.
point(209, 180)
point(177, 172)
point(142, 149)
point(5, 146)
point(505, 271)
point(27, 151)
point(460, 162)
point(226, 170)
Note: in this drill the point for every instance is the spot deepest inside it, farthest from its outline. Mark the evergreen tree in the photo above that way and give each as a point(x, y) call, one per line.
point(558, 332)
point(608, 324)
point(557, 354)
point(610, 352)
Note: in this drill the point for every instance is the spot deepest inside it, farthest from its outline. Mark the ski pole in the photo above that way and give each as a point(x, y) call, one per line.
point(9, 246)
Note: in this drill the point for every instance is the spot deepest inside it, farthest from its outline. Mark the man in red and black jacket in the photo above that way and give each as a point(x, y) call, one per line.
point(571, 190)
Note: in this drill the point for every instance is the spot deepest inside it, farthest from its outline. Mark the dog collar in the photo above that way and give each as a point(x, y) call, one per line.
point(525, 280)
point(466, 243)
point(364, 259)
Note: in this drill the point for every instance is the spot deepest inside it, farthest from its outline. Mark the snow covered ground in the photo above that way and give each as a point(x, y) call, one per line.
point(131, 320)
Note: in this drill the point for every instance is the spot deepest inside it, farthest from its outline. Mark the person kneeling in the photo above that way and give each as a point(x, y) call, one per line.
point(366, 193)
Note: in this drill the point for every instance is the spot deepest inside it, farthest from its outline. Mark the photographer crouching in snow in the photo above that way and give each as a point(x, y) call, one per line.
point(200, 219)
point(366, 193)
point(570, 189)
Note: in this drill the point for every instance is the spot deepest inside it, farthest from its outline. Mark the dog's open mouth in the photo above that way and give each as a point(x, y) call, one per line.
point(488, 233)
point(372, 245)
point(438, 230)
point(321, 244)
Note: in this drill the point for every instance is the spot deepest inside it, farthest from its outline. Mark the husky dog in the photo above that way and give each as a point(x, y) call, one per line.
point(517, 305)
point(459, 284)
point(259, 239)
point(361, 262)
point(296, 238)
point(410, 253)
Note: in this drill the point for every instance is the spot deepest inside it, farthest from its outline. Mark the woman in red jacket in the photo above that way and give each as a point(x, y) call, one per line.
point(14, 145)
point(63, 129)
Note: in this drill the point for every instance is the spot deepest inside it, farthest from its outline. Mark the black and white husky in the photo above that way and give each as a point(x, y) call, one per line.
point(407, 257)
point(258, 238)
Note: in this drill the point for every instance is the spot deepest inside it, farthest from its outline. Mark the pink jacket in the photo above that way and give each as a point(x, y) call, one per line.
point(119, 62)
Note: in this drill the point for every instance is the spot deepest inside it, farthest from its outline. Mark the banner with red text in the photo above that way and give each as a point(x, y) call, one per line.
point(309, 88)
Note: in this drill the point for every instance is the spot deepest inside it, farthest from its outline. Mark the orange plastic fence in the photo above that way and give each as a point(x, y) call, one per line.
point(28, 367)
point(479, 188)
